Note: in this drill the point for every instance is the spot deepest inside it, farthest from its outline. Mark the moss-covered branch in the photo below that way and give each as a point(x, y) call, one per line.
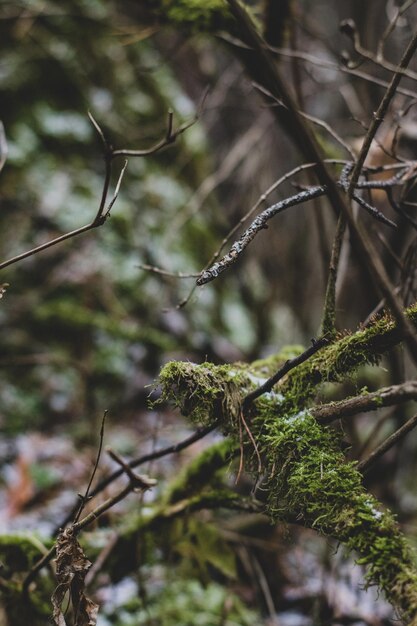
point(307, 477)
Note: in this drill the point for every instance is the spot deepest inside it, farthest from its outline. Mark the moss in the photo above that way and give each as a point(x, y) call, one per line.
point(308, 479)
point(200, 471)
point(343, 356)
point(18, 553)
point(208, 16)
point(206, 393)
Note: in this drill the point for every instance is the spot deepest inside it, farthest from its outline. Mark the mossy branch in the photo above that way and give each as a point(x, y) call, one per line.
point(305, 472)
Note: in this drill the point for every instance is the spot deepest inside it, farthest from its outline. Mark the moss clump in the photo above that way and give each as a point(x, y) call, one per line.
point(308, 479)
point(206, 393)
point(201, 471)
point(209, 16)
point(342, 357)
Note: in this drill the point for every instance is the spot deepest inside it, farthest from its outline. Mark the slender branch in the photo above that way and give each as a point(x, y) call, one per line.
point(314, 120)
point(328, 325)
point(258, 224)
point(345, 69)
point(289, 365)
point(159, 270)
point(103, 211)
point(157, 454)
point(387, 396)
point(399, 12)
point(136, 481)
point(86, 497)
point(348, 27)
point(47, 244)
point(379, 116)
point(365, 465)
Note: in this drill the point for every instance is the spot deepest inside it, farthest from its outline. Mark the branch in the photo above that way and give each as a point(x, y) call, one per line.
point(379, 116)
point(152, 456)
point(250, 233)
point(103, 212)
point(387, 396)
point(348, 27)
point(364, 466)
point(3, 146)
point(328, 325)
point(290, 364)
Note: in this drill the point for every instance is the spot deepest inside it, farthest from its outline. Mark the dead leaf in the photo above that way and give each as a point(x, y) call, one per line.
point(71, 569)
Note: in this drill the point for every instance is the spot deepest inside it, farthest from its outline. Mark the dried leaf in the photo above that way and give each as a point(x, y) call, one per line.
point(71, 569)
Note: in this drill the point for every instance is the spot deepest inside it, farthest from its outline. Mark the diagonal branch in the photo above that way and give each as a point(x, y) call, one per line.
point(263, 70)
point(379, 116)
point(387, 396)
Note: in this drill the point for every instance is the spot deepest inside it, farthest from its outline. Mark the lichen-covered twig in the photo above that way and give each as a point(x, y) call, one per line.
point(259, 223)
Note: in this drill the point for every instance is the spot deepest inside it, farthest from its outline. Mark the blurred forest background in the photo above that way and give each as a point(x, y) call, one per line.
point(86, 329)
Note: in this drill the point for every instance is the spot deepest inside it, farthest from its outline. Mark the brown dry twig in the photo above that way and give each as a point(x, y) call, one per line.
point(365, 465)
point(105, 206)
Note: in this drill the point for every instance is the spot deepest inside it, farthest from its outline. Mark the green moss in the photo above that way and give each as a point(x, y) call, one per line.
point(308, 479)
point(208, 16)
point(18, 553)
point(206, 393)
point(200, 472)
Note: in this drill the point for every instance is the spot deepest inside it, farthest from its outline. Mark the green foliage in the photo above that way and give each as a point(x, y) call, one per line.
point(190, 604)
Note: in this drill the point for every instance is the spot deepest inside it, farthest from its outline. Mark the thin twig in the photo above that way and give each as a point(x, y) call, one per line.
point(312, 119)
point(365, 465)
point(348, 27)
point(3, 146)
point(157, 454)
point(379, 116)
point(86, 497)
point(399, 12)
point(158, 270)
point(103, 211)
point(328, 325)
point(288, 366)
point(135, 482)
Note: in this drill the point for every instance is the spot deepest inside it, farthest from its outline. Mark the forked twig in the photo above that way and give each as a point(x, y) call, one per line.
point(103, 211)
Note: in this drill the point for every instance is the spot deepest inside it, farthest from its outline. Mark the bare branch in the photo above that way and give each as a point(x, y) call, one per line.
point(86, 497)
point(364, 466)
point(157, 454)
point(379, 116)
point(328, 326)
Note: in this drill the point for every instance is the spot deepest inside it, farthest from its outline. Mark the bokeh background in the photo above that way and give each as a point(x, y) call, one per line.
point(86, 329)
